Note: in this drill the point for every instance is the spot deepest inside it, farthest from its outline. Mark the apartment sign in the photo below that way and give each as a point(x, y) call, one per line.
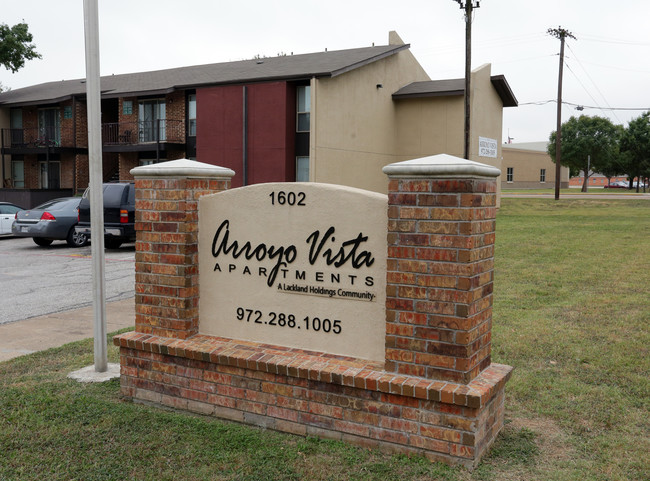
point(487, 147)
point(301, 265)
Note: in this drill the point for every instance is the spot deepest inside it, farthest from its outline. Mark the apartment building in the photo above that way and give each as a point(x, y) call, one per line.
point(333, 117)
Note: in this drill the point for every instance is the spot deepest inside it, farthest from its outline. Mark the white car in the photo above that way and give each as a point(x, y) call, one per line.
point(7, 216)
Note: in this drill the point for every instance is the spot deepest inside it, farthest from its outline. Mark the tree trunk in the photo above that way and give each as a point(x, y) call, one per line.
point(584, 184)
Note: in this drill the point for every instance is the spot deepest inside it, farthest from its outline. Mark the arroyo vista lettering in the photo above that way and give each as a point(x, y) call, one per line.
point(341, 257)
point(324, 247)
point(285, 255)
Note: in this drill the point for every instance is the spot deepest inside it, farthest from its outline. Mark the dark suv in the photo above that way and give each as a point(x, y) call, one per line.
point(119, 214)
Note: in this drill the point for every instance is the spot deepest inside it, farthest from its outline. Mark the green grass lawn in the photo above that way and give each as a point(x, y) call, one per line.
point(573, 191)
point(571, 314)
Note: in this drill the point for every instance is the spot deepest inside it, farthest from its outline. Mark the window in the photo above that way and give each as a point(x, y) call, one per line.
point(152, 115)
point(191, 115)
point(16, 123)
point(146, 159)
point(16, 118)
point(49, 126)
point(510, 174)
point(18, 173)
point(67, 112)
point(127, 107)
point(303, 108)
point(302, 169)
point(542, 175)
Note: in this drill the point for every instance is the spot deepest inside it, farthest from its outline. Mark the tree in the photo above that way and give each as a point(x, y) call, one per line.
point(588, 144)
point(16, 46)
point(615, 164)
point(635, 144)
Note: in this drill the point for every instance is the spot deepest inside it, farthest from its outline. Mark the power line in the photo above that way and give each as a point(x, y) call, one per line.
point(594, 38)
point(606, 108)
point(493, 42)
point(544, 102)
point(585, 88)
point(616, 68)
point(591, 79)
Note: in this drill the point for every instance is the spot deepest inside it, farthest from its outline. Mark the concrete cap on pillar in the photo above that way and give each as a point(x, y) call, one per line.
point(182, 168)
point(441, 166)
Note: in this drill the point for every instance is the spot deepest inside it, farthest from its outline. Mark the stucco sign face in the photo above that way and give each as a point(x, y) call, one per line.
point(295, 264)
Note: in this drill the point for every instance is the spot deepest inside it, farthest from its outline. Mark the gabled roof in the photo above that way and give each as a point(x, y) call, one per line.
point(292, 67)
point(453, 87)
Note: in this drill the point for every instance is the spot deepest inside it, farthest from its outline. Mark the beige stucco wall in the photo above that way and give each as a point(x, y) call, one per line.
point(428, 126)
point(527, 165)
point(348, 145)
point(486, 118)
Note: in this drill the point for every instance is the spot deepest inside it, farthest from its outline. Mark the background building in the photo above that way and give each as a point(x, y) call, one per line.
point(527, 165)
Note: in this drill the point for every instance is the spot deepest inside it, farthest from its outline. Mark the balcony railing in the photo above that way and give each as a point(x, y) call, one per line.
point(31, 138)
point(115, 134)
point(143, 132)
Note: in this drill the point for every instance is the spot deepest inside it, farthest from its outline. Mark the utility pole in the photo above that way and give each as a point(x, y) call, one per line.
point(561, 34)
point(468, 6)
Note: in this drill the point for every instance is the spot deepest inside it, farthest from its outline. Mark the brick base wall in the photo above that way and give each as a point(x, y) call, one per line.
point(316, 394)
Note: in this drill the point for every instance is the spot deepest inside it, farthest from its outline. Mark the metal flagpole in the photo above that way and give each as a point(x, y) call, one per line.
point(91, 30)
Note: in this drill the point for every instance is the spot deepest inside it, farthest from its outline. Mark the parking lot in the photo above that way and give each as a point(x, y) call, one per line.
point(42, 280)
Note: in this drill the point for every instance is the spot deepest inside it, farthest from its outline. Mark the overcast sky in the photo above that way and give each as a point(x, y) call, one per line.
point(607, 67)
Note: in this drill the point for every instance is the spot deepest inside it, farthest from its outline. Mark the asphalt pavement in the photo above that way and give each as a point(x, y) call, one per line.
point(47, 294)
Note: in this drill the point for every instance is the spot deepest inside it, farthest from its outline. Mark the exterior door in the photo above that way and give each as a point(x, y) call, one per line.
point(18, 174)
point(49, 127)
point(49, 175)
point(152, 115)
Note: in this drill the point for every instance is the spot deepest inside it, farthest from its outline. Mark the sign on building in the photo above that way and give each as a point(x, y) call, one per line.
point(295, 264)
point(487, 147)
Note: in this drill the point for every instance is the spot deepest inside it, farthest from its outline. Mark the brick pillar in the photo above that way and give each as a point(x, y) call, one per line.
point(441, 213)
point(166, 258)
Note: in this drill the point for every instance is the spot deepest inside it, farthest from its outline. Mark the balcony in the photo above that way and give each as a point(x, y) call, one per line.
point(33, 140)
point(116, 137)
point(142, 134)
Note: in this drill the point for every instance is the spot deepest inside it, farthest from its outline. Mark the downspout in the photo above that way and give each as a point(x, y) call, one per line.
point(47, 163)
point(245, 136)
point(74, 137)
point(157, 130)
point(2, 149)
point(313, 128)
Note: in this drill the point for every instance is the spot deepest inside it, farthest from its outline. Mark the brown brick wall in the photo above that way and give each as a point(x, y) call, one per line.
point(293, 392)
point(166, 276)
point(31, 171)
point(82, 124)
point(440, 272)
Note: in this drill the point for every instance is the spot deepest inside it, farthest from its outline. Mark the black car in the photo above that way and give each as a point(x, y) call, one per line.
point(54, 220)
point(119, 214)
